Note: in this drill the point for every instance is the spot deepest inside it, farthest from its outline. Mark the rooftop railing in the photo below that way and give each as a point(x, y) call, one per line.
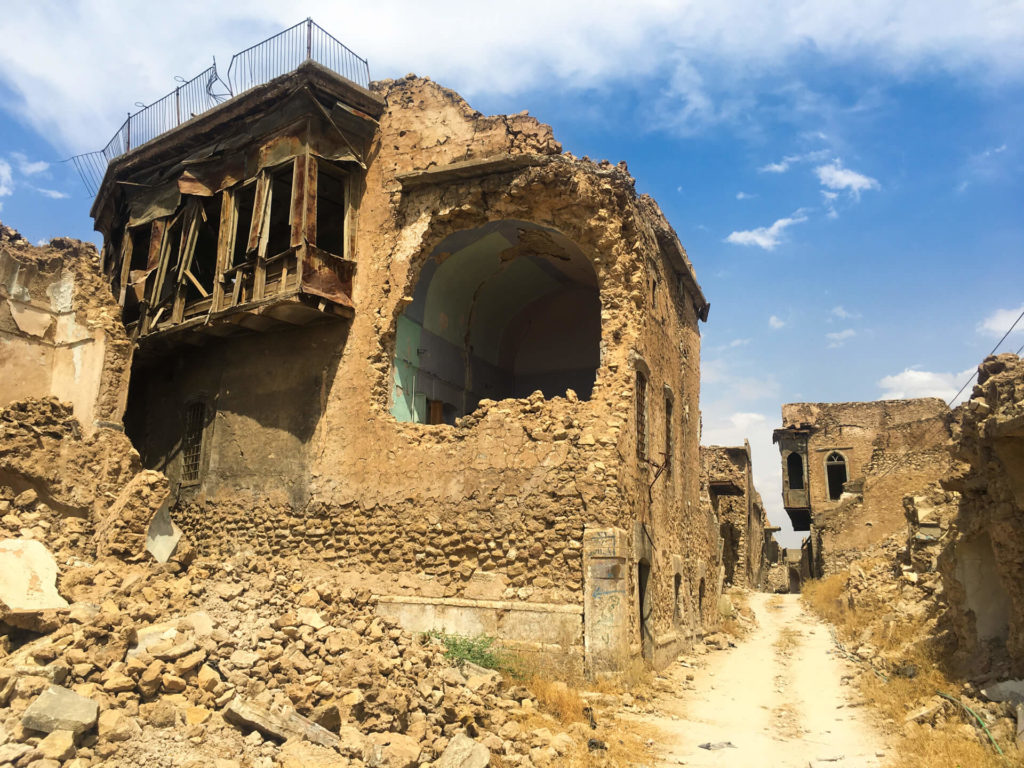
point(252, 67)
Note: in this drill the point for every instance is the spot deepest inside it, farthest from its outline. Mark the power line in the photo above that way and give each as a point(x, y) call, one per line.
point(975, 373)
point(892, 467)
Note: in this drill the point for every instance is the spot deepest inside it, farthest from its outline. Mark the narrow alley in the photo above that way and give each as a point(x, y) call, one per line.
point(776, 699)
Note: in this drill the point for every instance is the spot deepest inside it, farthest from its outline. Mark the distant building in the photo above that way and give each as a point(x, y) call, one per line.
point(847, 466)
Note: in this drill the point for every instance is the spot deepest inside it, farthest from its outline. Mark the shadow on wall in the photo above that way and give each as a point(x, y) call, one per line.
point(985, 594)
point(236, 414)
point(498, 311)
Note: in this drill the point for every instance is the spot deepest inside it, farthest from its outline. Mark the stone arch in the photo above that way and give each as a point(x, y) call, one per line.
point(498, 310)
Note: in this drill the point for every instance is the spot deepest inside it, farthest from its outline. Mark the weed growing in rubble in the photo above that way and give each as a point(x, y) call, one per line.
point(478, 649)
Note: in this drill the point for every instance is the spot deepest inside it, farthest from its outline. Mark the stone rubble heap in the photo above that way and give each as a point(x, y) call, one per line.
point(251, 662)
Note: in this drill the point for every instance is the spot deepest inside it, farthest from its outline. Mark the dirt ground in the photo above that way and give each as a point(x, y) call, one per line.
point(777, 699)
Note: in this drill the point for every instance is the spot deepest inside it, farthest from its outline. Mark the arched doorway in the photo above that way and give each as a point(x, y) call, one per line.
point(498, 311)
point(835, 474)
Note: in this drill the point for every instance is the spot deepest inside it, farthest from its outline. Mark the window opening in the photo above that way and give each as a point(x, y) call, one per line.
point(668, 436)
point(204, 260)
point(330, 211)
point(140, 246)
point(192, 442)
point(795, 471)
point(677, 584)
point(700, 599)
point(245, 201)
point(641, 415)
point(279, 238)
point(835, 471)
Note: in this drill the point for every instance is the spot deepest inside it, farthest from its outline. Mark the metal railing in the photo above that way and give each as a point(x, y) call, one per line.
point(254, 66)
point(287, 50)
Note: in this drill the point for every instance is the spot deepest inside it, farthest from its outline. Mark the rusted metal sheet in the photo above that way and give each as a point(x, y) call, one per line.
point(279, 150)
point(147, 205)
point(260, 209)
point(312, 176)
point(297, 215)
point(325, 275)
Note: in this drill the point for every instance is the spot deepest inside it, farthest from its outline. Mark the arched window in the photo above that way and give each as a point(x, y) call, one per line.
point(498, 311)
point(835, 472)
point(795, 471)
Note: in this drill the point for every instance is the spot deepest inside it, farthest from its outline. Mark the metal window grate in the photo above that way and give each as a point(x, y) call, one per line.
point(192, 442)
point(668, 436)
point(641, 415)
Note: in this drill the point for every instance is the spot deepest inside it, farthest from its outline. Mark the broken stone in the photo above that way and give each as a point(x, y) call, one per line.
point(277, 725)
point(464, 752)
point(59, 746)
point(58, 709)
point(28, 576)
point(115, 725)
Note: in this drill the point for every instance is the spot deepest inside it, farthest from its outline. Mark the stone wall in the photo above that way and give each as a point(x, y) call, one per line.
point(60, 333)
point(303, 454)
point(729, 492)
point(890, 448)
point(982, 563)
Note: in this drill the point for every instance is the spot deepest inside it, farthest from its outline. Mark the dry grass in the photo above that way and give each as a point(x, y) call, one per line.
point(558, 699)
point(949, 748)
point(869, 621)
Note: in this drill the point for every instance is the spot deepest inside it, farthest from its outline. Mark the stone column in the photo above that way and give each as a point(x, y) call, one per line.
point(606, 600)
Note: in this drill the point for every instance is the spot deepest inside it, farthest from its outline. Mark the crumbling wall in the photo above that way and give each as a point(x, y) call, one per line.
point(60, 333)
point(83, 494)
point(891, 448)
point(302, 454)
point(983, 562)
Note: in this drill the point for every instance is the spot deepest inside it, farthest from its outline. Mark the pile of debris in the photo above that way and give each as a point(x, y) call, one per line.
point(111, 658)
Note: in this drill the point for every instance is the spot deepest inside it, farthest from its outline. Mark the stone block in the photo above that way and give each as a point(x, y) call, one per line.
point(58, 709)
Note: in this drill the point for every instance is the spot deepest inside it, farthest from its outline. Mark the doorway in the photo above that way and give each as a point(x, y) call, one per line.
point(643, 578)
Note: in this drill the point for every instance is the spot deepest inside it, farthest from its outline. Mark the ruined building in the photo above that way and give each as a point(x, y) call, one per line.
point(847, 466)
point(982, 558)
point(372, 327)
point(748, 546)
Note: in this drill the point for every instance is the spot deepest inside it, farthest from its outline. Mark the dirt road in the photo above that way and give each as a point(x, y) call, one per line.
point(777, 698)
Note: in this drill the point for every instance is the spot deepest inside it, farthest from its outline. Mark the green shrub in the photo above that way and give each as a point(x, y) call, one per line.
point(479, 650)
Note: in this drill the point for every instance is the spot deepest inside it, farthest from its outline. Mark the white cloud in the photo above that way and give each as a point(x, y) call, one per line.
point(843, 314)
point(6, 178)
point(744, 196)
point(738, 343)
point(834, 176)
point(765, 237)
point(29, 167)
point(53, 194)
point(693, 49)
point(776, 322)
point(913, 382)
point(839, 338)
point(790, 160)
point(999, 321)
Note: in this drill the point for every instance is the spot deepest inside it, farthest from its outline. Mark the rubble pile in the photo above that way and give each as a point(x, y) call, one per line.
point(123, 661)
point(252, 661)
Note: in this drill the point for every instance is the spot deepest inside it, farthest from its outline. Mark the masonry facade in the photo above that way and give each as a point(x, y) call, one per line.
point(378, 329)
point(847, 466)
point(748, 546)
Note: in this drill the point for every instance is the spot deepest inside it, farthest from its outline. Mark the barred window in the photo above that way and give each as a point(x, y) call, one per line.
point(641, 415)
point(192, 442)
point(668, 436)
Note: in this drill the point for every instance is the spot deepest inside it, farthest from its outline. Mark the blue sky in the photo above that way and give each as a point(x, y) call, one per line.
point(846, 176)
